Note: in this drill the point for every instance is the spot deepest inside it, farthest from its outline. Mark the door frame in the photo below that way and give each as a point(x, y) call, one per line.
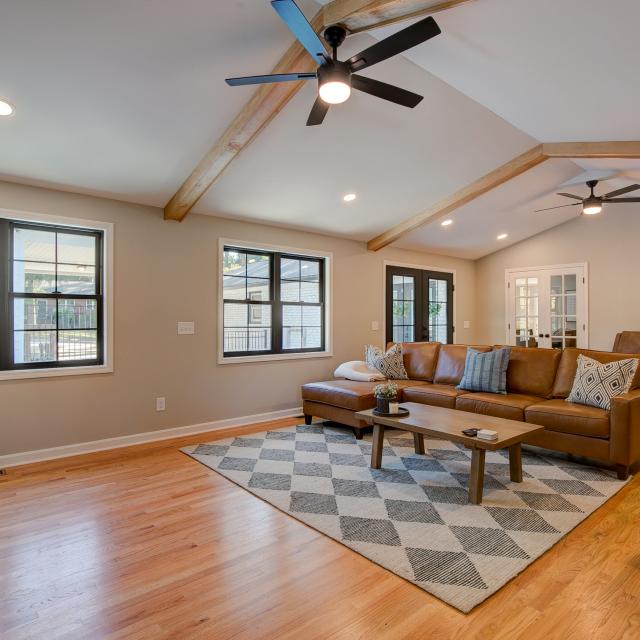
point(571, 265)
point(421, 267)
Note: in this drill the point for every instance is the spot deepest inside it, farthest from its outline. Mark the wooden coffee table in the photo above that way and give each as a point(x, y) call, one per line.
point(447, 424)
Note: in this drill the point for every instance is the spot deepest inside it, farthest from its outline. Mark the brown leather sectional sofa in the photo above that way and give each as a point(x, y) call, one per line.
point(538, 383)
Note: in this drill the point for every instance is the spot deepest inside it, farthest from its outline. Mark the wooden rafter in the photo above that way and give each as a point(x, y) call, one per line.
point(269, 100)
point(509, 170)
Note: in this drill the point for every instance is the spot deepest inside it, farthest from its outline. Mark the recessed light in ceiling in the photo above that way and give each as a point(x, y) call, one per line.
point(350, 197)
point(5, 108)
point(502, 236)
point(446, 223)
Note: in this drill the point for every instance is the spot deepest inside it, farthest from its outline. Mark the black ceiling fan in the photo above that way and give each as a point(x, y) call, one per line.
point(337, 78)
point(592, 203)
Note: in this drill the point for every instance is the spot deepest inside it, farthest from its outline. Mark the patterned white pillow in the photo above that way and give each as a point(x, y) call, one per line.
point(596, 383)
point(389, 364)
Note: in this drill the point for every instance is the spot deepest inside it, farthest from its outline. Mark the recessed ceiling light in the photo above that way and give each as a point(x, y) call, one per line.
point(350, 197)
point(5, 108)
point(502, 236)
point(446, 223)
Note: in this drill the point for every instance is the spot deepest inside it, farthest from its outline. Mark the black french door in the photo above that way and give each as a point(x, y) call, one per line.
point(419, 305)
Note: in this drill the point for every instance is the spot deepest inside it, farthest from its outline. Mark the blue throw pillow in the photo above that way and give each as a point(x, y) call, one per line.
point(486, 371)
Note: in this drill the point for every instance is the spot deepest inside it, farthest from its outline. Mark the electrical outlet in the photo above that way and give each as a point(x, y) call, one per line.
point(160, 404)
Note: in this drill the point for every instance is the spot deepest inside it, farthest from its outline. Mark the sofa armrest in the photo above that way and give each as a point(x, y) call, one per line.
point(625, 428)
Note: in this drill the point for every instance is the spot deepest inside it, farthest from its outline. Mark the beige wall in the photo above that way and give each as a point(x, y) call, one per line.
point(165, 272)
point(608, 243)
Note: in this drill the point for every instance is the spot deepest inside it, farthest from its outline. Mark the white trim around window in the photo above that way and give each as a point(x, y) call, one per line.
point(108, 319)
point(328, 297)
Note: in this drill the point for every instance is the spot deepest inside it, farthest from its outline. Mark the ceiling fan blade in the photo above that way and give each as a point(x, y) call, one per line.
point(570, 195)
point(619, 192)
point(395, 44)
point(574, 204)
point(275, 77)
point(318, 112)
point(290, 13)
point(385, 91)
point(621, 200)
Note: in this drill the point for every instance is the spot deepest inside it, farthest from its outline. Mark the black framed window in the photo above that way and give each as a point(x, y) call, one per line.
point(51, 298)
point(419, 305)
point(273, 302)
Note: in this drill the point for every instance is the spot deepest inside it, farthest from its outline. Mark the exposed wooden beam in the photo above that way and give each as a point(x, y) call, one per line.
point(362, 15)
point(620, 149)
point(498, 176)
point(269, 100)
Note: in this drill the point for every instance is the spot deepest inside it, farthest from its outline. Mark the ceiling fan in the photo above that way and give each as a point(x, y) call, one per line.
point(337, 78)
point(592, 203)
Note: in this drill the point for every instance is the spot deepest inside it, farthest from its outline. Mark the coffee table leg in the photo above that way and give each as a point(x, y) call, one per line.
point(515, 462)
point(378, 443)
point(418, 442)
point(476, 479)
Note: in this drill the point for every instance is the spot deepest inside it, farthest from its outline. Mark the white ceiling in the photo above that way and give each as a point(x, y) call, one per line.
point(123, 98)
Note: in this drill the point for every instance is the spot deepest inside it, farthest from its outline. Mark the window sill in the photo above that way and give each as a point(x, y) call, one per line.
point(275, 356)
point(54, 372)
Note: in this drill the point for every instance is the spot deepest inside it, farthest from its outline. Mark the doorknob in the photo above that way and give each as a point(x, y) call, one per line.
point(546, 335)
point(540, 335)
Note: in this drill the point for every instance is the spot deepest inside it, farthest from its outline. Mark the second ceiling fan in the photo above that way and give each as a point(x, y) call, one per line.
point(336, 78)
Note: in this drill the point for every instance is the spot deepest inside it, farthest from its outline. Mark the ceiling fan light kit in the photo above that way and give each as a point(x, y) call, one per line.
point(336, 78)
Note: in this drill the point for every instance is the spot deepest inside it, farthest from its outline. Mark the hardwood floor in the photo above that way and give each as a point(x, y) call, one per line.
point(144, 542)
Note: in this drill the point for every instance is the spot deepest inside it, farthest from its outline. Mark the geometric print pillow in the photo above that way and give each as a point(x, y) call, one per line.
point(595, 383)
point(389, 364)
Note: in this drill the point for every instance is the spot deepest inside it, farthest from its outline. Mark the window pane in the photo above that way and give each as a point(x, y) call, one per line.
point(291, 315)
point(259, 327)
point(76, 249)
point(570, 301)
point(77, 314)
point(570, 326)
point(77, 345)
point(556, 325)
point(258, 289)
point(397, 334)
point(257, 266)
point(311, 338)
point(310, 271)
point(556, 305)
point(234, 288)
point(311, 316)
point(397, 286)
point(556, 284)
point(34, 277)
point(310, 292)
point(234, 263)
point(235, 315)
point(408, 335)
point(292, 337)
point(236, 340)
point(570, 283)
point(409, 286)
point(260, 315)
point(32, 244)
point(289, 269)
point(34, 346)
point(34, 314)
point(407, 317)
point(76, 279)
point(290, 291)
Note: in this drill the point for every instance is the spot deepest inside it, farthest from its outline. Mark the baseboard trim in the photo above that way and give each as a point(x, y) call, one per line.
point(41, 455)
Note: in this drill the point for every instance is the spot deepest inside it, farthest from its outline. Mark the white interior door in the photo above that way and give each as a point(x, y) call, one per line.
point(547, 307)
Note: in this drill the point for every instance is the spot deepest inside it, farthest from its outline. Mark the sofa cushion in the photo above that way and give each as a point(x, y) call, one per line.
point(420, 359)
point(451, 361)
point(510, 406)
point(569, 365)
point(436, 395)
point(389, 362)
point(567, 417)
point(532, 371)
point(348, 394)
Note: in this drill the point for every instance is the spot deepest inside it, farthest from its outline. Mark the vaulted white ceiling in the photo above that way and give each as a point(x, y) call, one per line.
point(123, 98)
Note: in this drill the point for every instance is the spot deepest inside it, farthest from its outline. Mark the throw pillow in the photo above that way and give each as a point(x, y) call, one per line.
point(596, 383)
point(389, 364)
point(486, 371)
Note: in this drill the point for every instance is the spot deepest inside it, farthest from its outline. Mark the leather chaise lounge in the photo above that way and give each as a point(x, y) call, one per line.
point(538, 383)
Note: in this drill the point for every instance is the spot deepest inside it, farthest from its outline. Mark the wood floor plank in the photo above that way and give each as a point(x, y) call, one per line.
point(144, 542)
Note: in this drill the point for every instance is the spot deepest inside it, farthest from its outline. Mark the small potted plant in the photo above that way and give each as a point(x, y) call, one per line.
point(385, 393)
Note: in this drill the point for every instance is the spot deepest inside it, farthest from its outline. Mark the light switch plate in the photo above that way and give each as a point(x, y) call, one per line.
point(186, 328)
point(375, 325)
point(467, 324)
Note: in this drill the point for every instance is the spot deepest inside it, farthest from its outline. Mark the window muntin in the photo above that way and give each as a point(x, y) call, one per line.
point(50, 296)
point(273, 303)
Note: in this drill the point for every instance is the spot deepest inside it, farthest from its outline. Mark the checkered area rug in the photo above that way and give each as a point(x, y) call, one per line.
point(412, 516)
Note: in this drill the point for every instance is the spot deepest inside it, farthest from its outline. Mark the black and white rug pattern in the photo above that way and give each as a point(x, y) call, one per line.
point(412, 515)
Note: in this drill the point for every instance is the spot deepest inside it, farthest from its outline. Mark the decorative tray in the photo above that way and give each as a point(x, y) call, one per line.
point(402, 413)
